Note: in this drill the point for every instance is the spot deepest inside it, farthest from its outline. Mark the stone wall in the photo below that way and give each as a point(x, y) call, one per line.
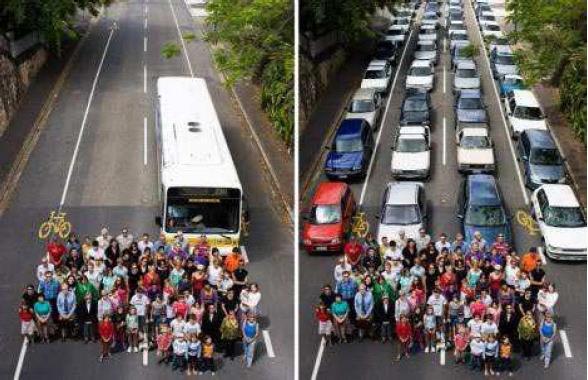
point(15, 78)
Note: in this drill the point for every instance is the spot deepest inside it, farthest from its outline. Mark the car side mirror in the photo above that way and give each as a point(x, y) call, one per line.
point(158, 221)
point(459, 216)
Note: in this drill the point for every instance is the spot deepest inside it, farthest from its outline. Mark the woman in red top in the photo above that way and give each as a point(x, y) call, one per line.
point(323, 315)
point(495, 279)
point(404, 333)
point(353, 251)
point(27, 325)
point(106, 331)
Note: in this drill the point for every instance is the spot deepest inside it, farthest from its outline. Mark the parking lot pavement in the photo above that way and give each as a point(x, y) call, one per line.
point(374, 360)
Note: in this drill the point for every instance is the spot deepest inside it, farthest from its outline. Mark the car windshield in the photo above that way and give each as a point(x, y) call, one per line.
point(488, 18)
point(375, 74)
point(470, 104)
point(459, 37)
point(364, 105)
point(401, 215)
point(491, 27)
point(401, 21)
point(504, 60)
point(412, 145)
point(427, 31)
point(394, 32)
point(347, 145)
point(325, 214)
point(485, 216)
point(426, 47)
point(420, 71)
point(565, 217)
point(475, 142)
point(455, 16)
point(529, 113)
point(415, 105)
point(513, 81)
point(540, 156)
point(430, 17)
point(466, 73)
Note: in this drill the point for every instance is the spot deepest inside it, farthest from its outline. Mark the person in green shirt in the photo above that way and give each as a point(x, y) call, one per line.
point(340, 312)
point(382, 288)
point(42, 309)
point(83, 287)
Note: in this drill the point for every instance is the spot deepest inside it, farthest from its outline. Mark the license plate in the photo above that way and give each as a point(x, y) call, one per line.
point(321, 248)
point(343, 176)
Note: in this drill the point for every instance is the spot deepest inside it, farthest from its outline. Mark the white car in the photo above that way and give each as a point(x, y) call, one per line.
point(458, 37)
point(466, 76)
point(403, 22)
point(411, 153)
point(456, 26)
point(475, 153)
point(396, 34)
point(378, 76)
point(487, 18)
point(430, 18)
point(421, 74)
point(404, 208)
point(427, 33)
point(426, 51)
point(491, 29)
point(523, 112)
point(561, 222)
point(365, 104)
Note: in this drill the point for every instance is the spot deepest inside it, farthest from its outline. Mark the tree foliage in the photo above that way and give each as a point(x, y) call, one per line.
point(255, 40)
point(553, 36)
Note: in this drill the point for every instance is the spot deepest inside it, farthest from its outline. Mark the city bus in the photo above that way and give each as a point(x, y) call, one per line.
point(199, 187)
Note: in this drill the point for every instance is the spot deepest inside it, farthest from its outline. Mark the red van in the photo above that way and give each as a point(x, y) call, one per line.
point(329, 217)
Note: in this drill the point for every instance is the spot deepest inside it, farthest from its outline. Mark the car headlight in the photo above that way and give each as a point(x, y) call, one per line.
point(356, 167)
point(336, 241)
point(552, 248)
point(307, 242)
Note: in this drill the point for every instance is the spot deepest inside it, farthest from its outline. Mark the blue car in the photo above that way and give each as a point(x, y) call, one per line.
point(510, 82)
point(469, 107)
point(480, 208)
point(351, 150)
point(541, 159)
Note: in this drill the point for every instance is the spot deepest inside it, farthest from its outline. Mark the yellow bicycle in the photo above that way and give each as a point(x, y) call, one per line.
point(56, 224)
point(360, 225)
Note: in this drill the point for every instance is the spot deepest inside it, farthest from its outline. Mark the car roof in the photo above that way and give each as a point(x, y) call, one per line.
point(396, 27)
point(540, 139)
point(421, 63)
point(475, 131)
point(487, 13)
point(466, 64)
point(402, 193)
point(363, 93)
point(375, 67)
point(490, 23)
point(513, 76)
point(503, 49)
point(349, 128)
point(483, 190)
point(415, 93)
point(560, 195)
point(426, 42)
point(458, 31)
point(412, 130)
point(428, 27)
point(378, 62)
point(525, 98)
point(329, 192)
point(470, 93)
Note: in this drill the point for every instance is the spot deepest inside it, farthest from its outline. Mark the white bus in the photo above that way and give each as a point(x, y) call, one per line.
point(200, 190)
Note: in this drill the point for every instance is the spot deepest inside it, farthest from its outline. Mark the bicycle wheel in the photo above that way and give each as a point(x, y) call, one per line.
point(45, 229)
point(64, 229)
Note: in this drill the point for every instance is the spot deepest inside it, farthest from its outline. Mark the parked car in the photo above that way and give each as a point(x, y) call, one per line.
point(561, 221)
point(480, 208)
point(459, 53)
point(486, 17)
point(351, 150)
point(430, 18)
point(366, 104)
point(402, 22)
point(491, 29)
point(426, 51)
point(416, 107)
point(396, 34)
point(475, 151)
point(329, 218)
point(523, 112)
point(404, 208)
point(481, 8)
point(470, 108)
point(496, 42)
point(378, 76)
point(465, 76)
point(458, 37)
point(455, 15)
point(454, 26)
point(502, 62)
point(421, 74)
point(510, 82)
point(542, 162)
point(386, 51)
point(427, 33)
point(411, 153)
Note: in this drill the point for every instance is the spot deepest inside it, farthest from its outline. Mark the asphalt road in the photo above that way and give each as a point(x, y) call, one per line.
point(113, 182)
point(374, 360)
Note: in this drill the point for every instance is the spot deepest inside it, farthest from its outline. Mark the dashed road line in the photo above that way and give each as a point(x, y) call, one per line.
point(317, 362)
point(145, 141)
point(181, 39)
point(145, 79)
point(444, 141)
point(145, 44)
point(268, 344)
point(566, 344)
point(442, 357)
point(23, 351)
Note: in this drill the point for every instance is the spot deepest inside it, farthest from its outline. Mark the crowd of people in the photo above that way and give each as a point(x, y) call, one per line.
point(186, 300)
point(479, 299)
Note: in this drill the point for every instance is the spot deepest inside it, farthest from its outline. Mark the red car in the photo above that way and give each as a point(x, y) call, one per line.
point(329, 218)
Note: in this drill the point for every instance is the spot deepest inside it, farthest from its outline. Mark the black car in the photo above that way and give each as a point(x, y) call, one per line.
point(386, 51)
point(416, 108)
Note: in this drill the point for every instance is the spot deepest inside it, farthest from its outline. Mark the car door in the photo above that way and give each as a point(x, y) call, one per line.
point(367, 139)
point(378, 107)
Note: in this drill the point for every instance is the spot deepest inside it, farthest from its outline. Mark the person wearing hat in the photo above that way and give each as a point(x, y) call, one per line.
point(180, 348)
point(384, 318)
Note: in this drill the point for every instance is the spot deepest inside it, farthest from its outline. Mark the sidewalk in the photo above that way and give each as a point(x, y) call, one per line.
point(277, 156)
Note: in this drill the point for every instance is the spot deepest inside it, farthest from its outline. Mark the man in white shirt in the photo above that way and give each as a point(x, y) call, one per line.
point(125, 239)
point(393, 253)
point(442, 243)
point(104, 238)
point(422, 240)
point(475, 326)
point(438, 302)
point(178, 325)
point(96, 253)
point(145, 243)
point(342, 266)
point(44, 267)
point(141, 302)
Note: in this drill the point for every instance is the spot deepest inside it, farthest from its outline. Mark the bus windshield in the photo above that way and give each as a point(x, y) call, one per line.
point(203, 210)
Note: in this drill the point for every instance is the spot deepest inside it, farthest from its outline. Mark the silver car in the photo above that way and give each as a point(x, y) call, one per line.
point(466, 76)
point(366, 104)
point(426, 51)
point(427, 33)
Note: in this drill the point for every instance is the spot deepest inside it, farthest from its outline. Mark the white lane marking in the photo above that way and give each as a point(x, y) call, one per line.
point(542, 255)
point(145, 357)
point(181, 39)
point(268, 344)
point(145, 22)
point(145, 79)
point(444, 141)
point(145, 44)
point(444, 44)
point(508, 138)
point(145, 141)
point(23, 351)
point(442, 359)
point(566, 344)
point(444, 79)
point(317, 362)
point(383, 123)
point(84, 120)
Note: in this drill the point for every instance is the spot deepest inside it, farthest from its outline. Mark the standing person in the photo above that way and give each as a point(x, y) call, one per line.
point(211, 322)
point(340, 311)
point(141, 304)
point(132, 323)
point(342, 266)
point(547, 334)
point(118, 320)
point(106, 333)
point(66, 307)
point(230, 334)
point(547, 299)
point(27, 324)
point(461, 342)
point(194, 354)
point(384, 316)
point(208, 356)
point(364, 306)
point(422, 240)
point(50, 287)
point(430, 324)
point(477, 347)
point(323, 316)
point(180, 347)
point(529, 260)
point(404, 334)
point(87, 317)
point(505, 353)
point(347, 288)
point(401, 306)
point(250, 332)
point(42, 311)
point(508, 324)
point(527, 331)
point(164, 341)
point(490, 354)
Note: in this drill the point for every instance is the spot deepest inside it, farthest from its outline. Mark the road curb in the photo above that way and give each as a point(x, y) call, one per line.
point(8, 186)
